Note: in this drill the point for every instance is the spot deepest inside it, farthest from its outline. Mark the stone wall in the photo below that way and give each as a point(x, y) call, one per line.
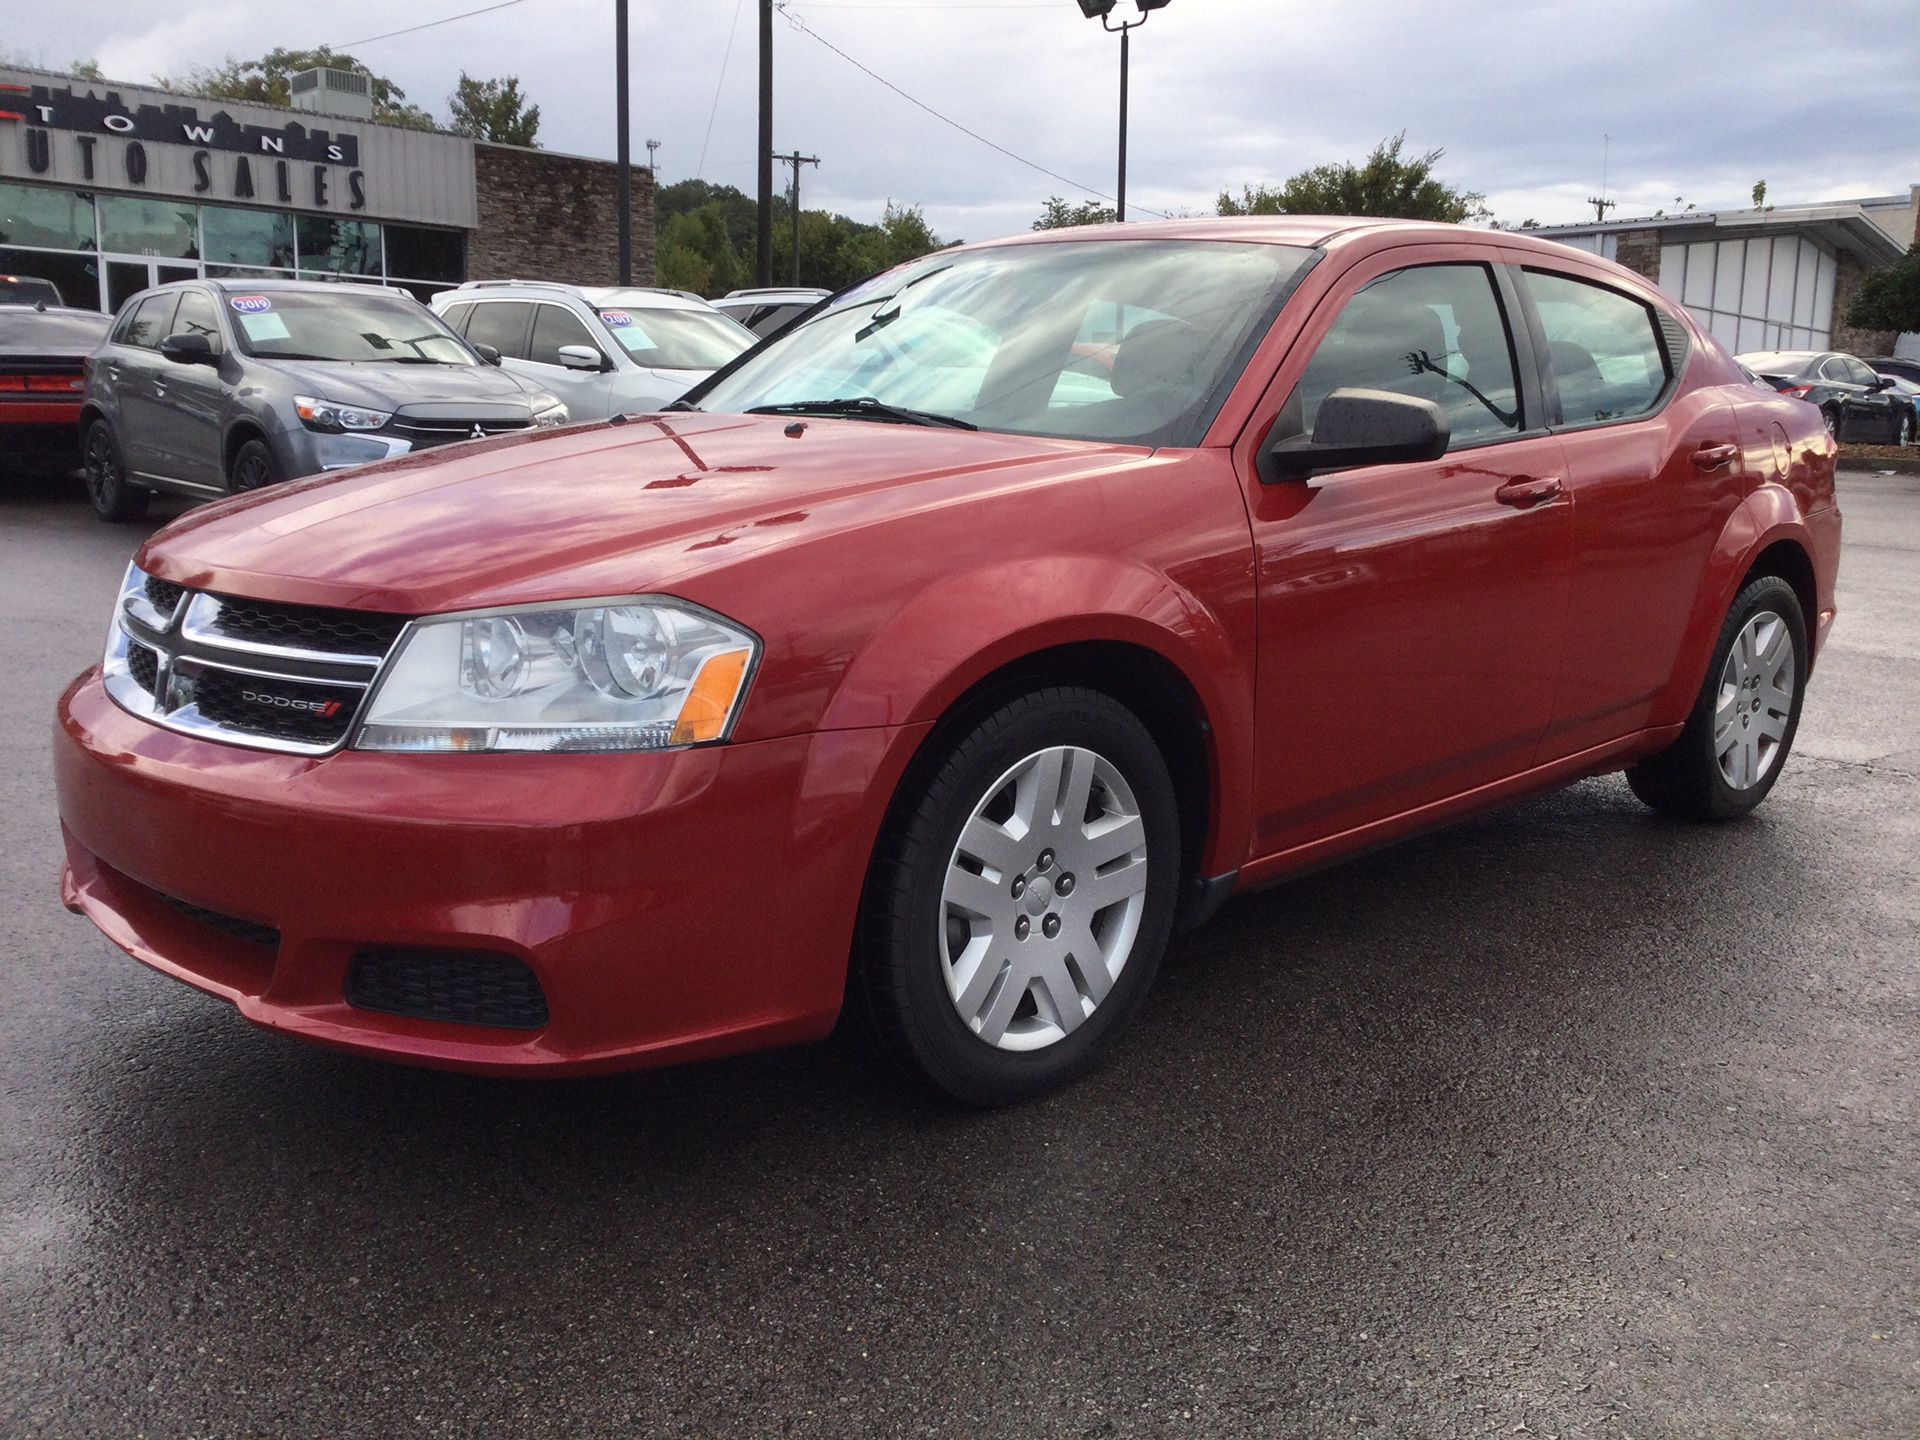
point(1639, 251)
point(1846, 283)
point(554, 217)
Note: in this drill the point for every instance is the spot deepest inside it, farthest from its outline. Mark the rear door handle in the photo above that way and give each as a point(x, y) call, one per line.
point(1712, 457)
point(1526, 490)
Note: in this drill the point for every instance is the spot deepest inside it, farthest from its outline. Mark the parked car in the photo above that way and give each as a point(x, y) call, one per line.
point(29, 290)
point(1894, 366)
point(603, 351)
point(642, 742)
point(1853, 400)
point(208, 387)
point(1909, 391)
point(43, 354)
point(767, 312)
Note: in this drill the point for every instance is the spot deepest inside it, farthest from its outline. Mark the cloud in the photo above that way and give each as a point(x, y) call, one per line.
point(1699, 100)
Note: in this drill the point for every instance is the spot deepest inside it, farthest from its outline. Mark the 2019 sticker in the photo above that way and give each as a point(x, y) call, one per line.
point(614, 319)
point(251, 304)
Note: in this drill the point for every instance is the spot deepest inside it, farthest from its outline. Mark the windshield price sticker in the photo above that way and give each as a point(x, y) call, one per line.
point(264, 327)
point(251, 304)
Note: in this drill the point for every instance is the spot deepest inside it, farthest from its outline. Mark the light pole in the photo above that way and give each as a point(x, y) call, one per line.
point(1102, 10)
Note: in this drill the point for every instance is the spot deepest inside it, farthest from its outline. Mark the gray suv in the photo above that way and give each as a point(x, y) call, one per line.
point(208, 387)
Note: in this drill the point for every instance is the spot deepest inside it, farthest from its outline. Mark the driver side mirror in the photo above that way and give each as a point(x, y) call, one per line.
point(1880, 382)
point(488, 355)
point(583, 357)
point(186, 348)
point(1359, 427)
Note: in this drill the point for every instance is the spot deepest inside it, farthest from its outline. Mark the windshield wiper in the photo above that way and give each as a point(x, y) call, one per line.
point(864, 407)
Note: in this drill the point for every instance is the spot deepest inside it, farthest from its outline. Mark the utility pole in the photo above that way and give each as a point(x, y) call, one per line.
point(764, 260)
point(1120, 209)
point(796, 160)
point(623, 189)
point(1600, 207)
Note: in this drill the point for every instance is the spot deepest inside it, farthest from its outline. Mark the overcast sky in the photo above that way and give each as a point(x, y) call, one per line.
point(1700, 98)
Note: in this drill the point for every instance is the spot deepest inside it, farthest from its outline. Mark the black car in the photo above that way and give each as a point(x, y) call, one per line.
point(43, 355)
point(1894, 366)
point(1858, 405)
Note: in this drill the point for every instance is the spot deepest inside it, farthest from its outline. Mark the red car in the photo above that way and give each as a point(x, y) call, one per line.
point(909, 668)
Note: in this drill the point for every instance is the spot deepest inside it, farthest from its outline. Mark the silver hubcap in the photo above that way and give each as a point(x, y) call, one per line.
point(1756, 698)
point(1043, 898)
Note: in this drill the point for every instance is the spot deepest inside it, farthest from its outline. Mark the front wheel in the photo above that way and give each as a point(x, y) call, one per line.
point(1741, 729)
point(253, 468)
point(1021, 899)
point(1905, 434)
point(107, 486)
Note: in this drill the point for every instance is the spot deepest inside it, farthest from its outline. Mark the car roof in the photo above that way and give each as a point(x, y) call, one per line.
point(628, 297)
point(230, 285)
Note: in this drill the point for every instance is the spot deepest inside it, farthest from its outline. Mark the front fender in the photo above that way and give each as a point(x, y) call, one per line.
point(964, 627)
point(1769, 515)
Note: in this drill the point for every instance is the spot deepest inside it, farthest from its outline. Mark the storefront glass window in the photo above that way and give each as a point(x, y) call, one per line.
point(167, 229)
point(343, 247)
point(247, 237)
point(421, 254)
point(34, 215)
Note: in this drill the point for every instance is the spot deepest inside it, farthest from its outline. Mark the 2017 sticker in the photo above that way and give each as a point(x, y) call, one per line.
point(251, 304)
point(614, 319)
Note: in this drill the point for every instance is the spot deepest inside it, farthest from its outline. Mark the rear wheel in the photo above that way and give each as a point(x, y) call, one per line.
point(1741, 730)
point(1831, 417)
point(1021, 899)
point(107, 486)
point(253, 468)
point(1906, 428)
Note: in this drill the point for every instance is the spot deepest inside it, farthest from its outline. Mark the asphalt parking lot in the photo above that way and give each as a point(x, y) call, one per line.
point(1567, 1121)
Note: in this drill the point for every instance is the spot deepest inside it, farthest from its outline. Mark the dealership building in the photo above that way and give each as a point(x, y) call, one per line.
point(106, 189)
point(1778, 277)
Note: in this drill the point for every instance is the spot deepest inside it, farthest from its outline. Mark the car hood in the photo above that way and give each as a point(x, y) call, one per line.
point(381, 386)
point(624, 507)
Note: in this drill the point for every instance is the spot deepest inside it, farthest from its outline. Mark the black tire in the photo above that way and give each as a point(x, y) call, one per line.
point(253, 468)
point(1686, 779)
point(898, 989)
point(106, 474)
point(1903, 433)
point(1831, 417)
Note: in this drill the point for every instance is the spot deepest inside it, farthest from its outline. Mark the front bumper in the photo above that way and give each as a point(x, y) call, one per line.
point(672, 906)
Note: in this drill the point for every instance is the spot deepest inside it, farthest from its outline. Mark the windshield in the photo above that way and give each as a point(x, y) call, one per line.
point(1123, 341)
point(677, 339)
point(343, 326)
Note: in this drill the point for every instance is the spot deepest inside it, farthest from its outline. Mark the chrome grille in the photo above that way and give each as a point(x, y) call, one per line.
point(248, 672)
point(426, 431)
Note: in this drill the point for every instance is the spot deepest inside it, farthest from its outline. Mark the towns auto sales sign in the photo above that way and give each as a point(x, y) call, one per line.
point(84, 137)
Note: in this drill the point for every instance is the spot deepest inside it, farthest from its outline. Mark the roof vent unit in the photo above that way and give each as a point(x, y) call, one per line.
point(333, 92)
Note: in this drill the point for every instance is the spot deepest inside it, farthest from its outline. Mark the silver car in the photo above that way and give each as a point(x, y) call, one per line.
point(604, 351)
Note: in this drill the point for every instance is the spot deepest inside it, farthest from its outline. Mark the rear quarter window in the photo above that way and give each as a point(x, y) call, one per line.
point(1604, 356)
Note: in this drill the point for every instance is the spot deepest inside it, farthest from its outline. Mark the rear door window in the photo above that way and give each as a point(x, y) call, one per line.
point(1434, 332)
point(501, 324)
point(554, 326)
point(1603, 349)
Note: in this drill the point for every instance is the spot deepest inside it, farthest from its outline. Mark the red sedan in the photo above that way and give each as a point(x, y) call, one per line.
point(915, 666)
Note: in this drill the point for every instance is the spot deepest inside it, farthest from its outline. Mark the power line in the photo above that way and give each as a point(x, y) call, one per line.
point(802, 26)
point(701, 169)
point(447, 20)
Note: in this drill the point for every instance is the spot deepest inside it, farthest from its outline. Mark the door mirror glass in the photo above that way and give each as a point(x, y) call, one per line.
point(1360, 427)
point(581, 357)
point(187, 348)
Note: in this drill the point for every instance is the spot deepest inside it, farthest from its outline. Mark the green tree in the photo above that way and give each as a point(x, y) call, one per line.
point(694, 252)
point(1385, 184)
point(1889, 299)
point(902, 235)
point(86, 70)
point(1057, 214)
point(493, 110)
point(267, 81)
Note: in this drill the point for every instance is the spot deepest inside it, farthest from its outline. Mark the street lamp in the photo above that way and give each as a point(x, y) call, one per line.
point(1102, 10)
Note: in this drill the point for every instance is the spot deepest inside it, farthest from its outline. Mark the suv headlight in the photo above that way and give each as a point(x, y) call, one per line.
point(551, 416)
point(334, 417)
point(612, 675)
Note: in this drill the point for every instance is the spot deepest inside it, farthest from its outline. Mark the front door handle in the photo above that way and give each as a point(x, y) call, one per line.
point(1712, 457)
point(1526, 490)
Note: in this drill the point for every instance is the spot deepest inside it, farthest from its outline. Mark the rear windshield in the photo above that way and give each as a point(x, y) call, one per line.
point(344, 326)
point(1777, 362)
point(676, 339)
point(27, 290)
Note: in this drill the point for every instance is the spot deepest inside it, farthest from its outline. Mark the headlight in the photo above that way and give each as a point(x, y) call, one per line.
point(333, 417)
point(553, 415)
point(616, 675)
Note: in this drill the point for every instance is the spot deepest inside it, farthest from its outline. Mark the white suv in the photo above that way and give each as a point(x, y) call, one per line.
point(604, 351)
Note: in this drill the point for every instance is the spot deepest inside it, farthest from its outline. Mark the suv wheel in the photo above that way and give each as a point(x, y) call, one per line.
point(107, 486)
point(253, 468)
point(1741, 730)
point(1021, 899)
